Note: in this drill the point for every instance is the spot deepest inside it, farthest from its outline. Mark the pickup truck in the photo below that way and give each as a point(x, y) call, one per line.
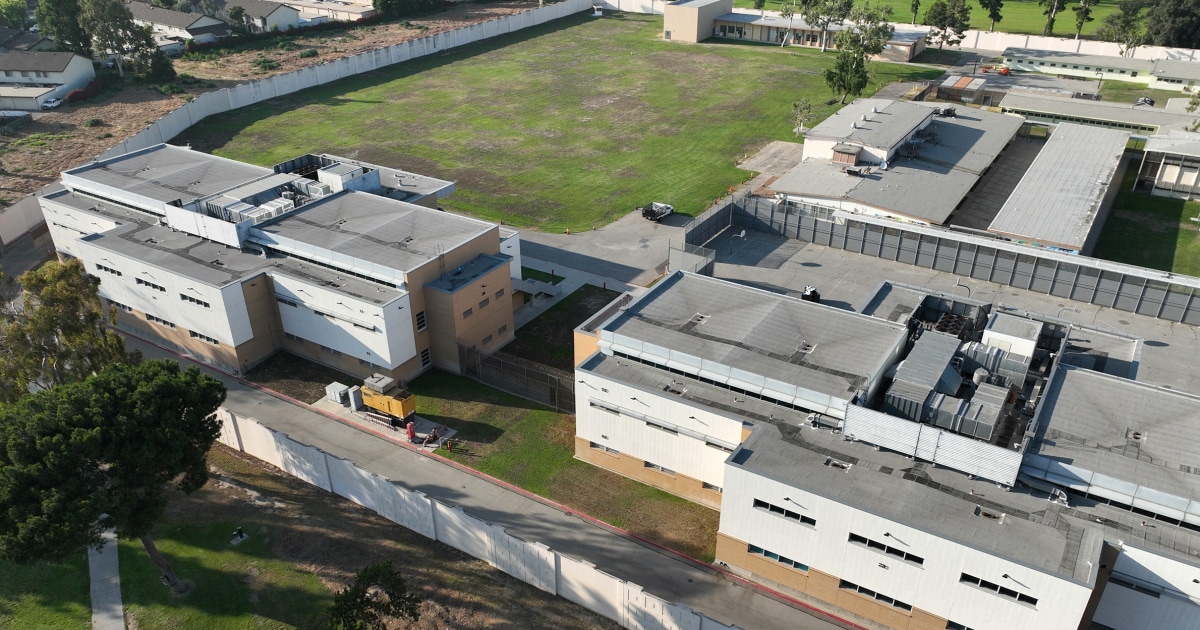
point(51, 103)
point(656, 211)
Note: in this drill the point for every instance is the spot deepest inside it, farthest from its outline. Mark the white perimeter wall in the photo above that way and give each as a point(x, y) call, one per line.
point(933, 586)
point(531, 562)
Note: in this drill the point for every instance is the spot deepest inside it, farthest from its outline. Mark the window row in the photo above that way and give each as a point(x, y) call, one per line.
point(159, 320)
point(118, 305)
point(203, 337)
point(999, 590)
point(890, 601)
point(658, 468)
point(776, 557)
point(188, 298)
point(147, 283)
point(785, 513)
point(891, 551)
point(109, 270)
point(1136, 585)
point(601, 447)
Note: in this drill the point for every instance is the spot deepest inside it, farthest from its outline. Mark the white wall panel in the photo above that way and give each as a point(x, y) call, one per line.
point(406, 507)
point(644, 611)
point(349, 481)
point(462, 531)
point(260, 442)
point(229, 435)
point(580, 582)
point(304, 462)
point(532, 563)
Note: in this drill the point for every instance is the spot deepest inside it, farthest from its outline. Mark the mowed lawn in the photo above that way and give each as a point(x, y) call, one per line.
point(1018, 16)
point(1154, 232)
point(562, 126)
point(46, 595)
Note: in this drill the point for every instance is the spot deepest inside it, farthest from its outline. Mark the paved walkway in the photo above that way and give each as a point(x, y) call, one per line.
point(572, 280)
point(107, 612)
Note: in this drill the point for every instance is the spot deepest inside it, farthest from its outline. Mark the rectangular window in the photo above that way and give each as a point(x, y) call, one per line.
point(850, 586)
point(501, 330)
point(759, 504)
point(109, 270)
point(603, 407)
point(997, 589)
point(146, 283)
point(119, 305)
point(601, 447)
point(658, 468)
point(888, 549)
point(196, 335)
point(426, 358)
point(484, 302)
point(486, 340)
point(187, 298)
point(159, 320)
point(1138, 586)
point(499, 294)
point(420, 321)
point(718, 447)
point(759, 551)
point(709, 486)
point(283, 300)
point(950, 625)
point(469, 312)
point(662, 428)
point(363, 326)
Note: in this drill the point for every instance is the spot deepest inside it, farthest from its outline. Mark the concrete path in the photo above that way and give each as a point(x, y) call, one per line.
point(107, 612)
point(572, 280)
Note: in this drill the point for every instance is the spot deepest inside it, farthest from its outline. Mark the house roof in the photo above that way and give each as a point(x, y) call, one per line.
point(258, 8)
point(1093, 61)
point(151, 14)
point(1175, 69)
point(36, 61)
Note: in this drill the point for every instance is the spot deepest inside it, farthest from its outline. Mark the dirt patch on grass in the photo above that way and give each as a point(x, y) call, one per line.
point(549, 339)
point(333, 538)
point(299, 378)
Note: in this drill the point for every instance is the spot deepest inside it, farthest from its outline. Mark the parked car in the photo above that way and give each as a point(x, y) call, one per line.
point(656, 211)
point(51, 103)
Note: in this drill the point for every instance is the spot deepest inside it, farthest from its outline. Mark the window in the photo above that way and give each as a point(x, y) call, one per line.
point(501, 330)
point(363, 326)
point(119, 305)
point(776, 557)
point(850, 586)
point(950, 625)
point(484, 302)
point(499, 294)
point(188, 298)
point(997, 589)
point(662, 428)
point(601, 447)
point(469, 312)
point(109, 270)
point(775, 509)
point(603, 407)
point(331, 351)
point(658, 468)
point(487, 340)
point(718, 447)
point(709, 486)
point(1144, 588)
point(426, 358)
point(420, 321)
point(891, 551)
point(283, 300)
point(288, 335)
point(156, 287)
point(196, 335)
point(159, 320)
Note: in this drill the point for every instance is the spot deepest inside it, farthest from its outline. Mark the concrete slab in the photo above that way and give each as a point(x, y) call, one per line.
point(630, 250)
point(776, 158)
point(103, 570)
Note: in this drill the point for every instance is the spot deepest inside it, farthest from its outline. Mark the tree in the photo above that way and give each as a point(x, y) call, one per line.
point(850, 73)
point(14, 12)
point(825, 14)
point(112, 29)
point(60, 334)
point(83, 457)
point(759, 4)
point(916, 6)
point(1083, 15)
point(993, 8)
point(802, 112)
point(59, 20)
point(787, 12)
point(401, 8)
point(1051, 12)
point(1124, 26)
point(1174, 24)
point(377, 592)
point(949, 20)
point(237, 15)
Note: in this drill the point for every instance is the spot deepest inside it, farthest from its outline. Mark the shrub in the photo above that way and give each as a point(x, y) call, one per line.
point(76, 95)
point(93, 122)
point(308, 52)
point(169, 89)
point(286, 44)
point(264, 64)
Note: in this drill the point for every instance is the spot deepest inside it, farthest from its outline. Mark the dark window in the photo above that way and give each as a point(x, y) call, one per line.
point(426, 358)
point(420, 321)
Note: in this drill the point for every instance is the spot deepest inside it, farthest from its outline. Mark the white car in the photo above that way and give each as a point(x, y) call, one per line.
point(51, 103)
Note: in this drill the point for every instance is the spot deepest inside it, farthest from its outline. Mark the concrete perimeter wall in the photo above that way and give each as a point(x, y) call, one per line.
point(533, 563)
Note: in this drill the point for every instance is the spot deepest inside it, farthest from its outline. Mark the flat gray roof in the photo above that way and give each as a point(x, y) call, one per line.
point(407, 182)
point(1176, 69)
point(1076, 59)
point(362, 226)
point(168, 173)
point(1176, 142)
point(1095, 110)
point(884, 128)
point(761, 333)
point(458, 278)
point(1057, 200)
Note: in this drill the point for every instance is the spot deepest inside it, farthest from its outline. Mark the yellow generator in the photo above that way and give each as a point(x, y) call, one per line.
point(381, 394)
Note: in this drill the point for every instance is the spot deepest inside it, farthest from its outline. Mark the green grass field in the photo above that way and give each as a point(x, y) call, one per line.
point(46, 595)
point(1019, 16)
point(1128, 92)
point(237, 587)
point(562, 126)
point(1152, 232)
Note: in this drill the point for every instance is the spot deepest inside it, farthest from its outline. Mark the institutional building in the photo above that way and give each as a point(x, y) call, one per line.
point(1158, 74)
point(346, 263)
point(930, 461)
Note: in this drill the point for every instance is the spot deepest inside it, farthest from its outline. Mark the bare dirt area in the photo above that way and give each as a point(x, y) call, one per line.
point(75, 133)
point(332, 538)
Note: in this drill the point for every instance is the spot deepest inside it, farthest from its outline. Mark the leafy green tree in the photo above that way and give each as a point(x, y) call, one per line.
point(993, 8)
point(59, 20)
point(377, 593)
point(825, 14)
point(802, 113)
point(14, 12)
point(1051, 13)
point(402, 8)
point(851, 73)
point(787, 12)
point(58, 334)
point(760, 4)
point(237, 16)
point(1174, 23)
point(112, 29)
point(1083, 15)
point(949, 20)
point(916, 6)
point(80, 458)
point(1124, 26)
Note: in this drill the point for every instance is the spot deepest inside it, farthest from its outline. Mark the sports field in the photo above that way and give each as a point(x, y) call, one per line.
point(568, 125)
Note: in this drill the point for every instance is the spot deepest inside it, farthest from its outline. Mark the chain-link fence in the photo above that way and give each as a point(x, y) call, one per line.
point(552, 387)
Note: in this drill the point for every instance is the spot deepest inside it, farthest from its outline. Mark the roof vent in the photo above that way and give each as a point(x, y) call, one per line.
point(840, 465)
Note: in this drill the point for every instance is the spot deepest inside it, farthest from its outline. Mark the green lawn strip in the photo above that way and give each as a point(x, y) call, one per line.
point(567, 125)
point(51, 595)
point(234, 586)
point(1150, 231)
point(1023, 17)
point(529, 273)
point(1128, 92)
point(549, 339)
point(532, 447)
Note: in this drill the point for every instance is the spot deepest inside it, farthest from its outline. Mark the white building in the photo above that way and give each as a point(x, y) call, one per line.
point(32, 77)
point(263, 16)
point(347, 263)
point(178, 25)
point(1157, 74)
